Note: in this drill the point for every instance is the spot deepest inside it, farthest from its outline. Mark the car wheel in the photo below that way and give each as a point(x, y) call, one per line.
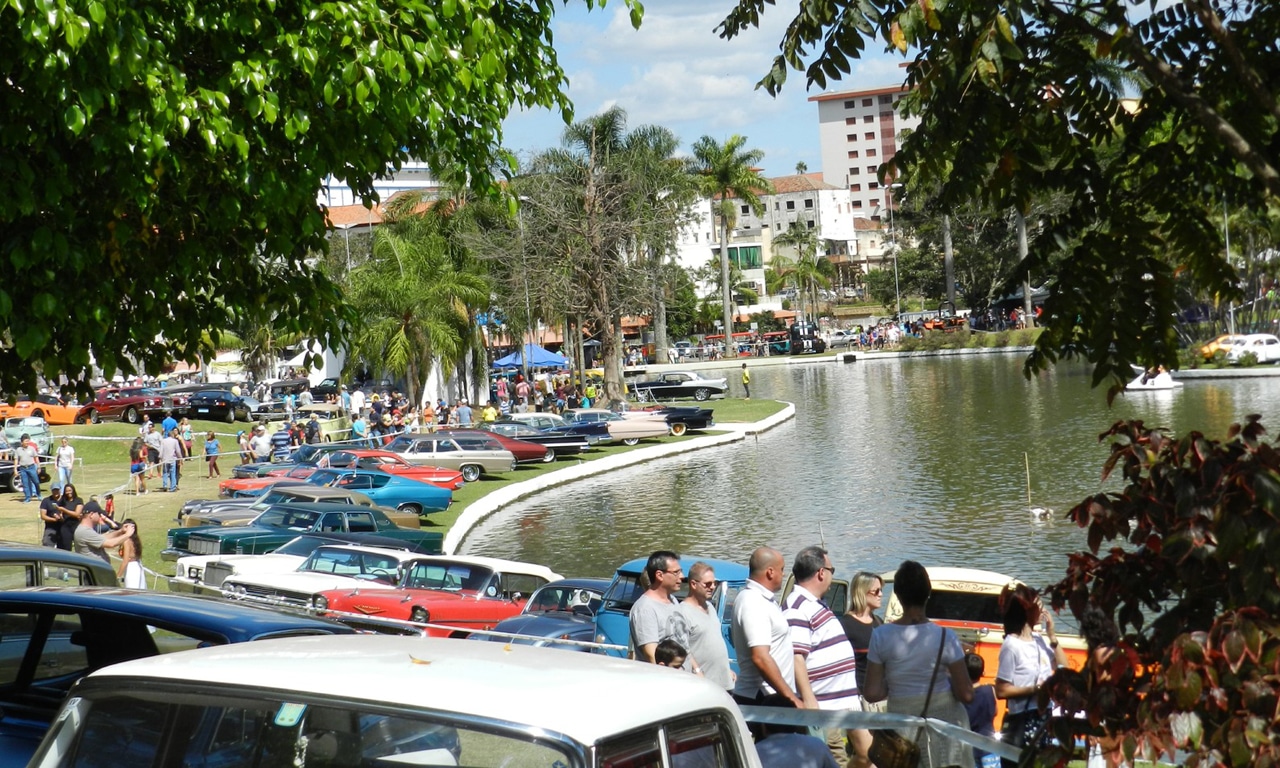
point(631, 441)
point(131, 415)
point(15, 482)
point(549, 456)
point(679, 429)
point(419, 614)
point(37, 413)
point(470, 473)
point(94, 417)
point(701, 393)
point(231, 415)
point(410, 507)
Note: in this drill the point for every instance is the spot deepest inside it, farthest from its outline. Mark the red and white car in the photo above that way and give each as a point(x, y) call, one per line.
point(392, 464)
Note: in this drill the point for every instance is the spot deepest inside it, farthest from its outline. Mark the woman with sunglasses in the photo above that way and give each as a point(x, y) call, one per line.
point(866, 591)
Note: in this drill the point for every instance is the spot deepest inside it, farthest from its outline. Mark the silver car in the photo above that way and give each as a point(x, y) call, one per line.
point(470, 454)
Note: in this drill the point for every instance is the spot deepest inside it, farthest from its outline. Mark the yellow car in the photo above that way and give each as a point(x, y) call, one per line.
point(1223, 343)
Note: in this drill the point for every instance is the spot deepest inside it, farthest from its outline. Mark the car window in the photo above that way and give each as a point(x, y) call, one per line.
point(478, 443)
point(331, 522)
point(18, 575)
point(695, 740)
point(448, 576)
point(443, 446)
point(356, 481)
point(361, 522)
point(522, 584)
point(623, 592)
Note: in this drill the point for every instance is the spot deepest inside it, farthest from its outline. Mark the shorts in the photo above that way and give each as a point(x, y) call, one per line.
point(153, 455)
point(136, 468)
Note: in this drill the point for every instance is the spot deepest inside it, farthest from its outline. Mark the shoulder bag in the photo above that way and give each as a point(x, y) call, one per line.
point(890, 749)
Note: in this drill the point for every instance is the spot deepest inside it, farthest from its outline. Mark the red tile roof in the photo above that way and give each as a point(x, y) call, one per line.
point(799, 183)
point(343, 216)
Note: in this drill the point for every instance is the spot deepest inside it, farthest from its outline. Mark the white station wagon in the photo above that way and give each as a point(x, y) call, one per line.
point(379, 701)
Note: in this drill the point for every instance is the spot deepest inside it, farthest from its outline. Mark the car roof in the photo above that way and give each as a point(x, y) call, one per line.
point(496, 564)
point(578, 583)
point(726, 570)
point(194, 614)
point(949, 579)
point(574, 694)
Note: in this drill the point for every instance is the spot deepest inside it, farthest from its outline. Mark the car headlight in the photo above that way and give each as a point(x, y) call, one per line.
point(320, 603)
point(194, 573)
point(168, 542)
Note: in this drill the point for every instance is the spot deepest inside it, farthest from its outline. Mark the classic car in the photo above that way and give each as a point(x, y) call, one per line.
point(51, 408)
point(330, 566)
point(195, 573)
point(239, 511)
point(561, 444)
point(386, 461)
point(125, 403)
point(676, 385)
point(841, 338)
point(30, 565)
point(621, 429)
point(472, 455)
point(524, 451)
point(387, 701)
point(679, 418)
point(561, 610)
point(326, 387)
point(457, 592)
point(9, 477)
point(53, 636)
point(229, 487)
point(283, 522)
point(220, 404)
point(1264, 346)
point(334, 424)
point(596, 434)
point(36, 429)
point(403, 494)
point(303, 454)
point(613, 620)
point(180, 395)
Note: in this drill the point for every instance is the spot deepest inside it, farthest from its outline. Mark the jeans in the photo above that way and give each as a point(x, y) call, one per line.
point(64, 476)
point(30, 482)
point(169, 478)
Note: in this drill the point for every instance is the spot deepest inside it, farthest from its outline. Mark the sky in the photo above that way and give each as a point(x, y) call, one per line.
point(677, 73)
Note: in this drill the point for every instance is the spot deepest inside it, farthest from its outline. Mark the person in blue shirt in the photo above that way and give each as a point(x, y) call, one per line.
point(463, 410)
point(281, 442)
point(982, 710)
point(360, 431)
point(169, 424)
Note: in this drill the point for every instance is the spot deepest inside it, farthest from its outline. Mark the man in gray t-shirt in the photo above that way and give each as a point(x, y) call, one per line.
point(653, 615)
point(704, 640)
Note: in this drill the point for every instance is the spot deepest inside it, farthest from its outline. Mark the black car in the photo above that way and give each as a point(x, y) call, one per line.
point(219, 404)
point(9, 477)
point(564, 444)
point(325, 388)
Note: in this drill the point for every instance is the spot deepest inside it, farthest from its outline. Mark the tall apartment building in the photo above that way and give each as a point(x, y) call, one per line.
point(857, 131)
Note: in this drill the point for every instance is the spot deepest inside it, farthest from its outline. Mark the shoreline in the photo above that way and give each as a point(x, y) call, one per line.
point(502, 498)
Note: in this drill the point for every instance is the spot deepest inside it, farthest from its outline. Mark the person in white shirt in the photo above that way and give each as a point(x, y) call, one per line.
point(357, 403)
point(66, 461)
point(761, 637)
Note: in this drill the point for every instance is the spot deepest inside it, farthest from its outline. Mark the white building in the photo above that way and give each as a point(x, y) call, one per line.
point(857, 132)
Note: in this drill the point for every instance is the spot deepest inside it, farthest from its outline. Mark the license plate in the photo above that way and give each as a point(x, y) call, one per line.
point(202, 410)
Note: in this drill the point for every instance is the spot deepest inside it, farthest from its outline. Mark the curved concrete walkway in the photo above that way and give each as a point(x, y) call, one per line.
point(500, 499)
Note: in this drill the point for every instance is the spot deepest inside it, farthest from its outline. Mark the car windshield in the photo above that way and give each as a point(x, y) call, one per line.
point(301, 546)
point(400, 445)
point(451, 577)
point(132, 725)
point(324, 476)
point(352, 562)
point(562, 597)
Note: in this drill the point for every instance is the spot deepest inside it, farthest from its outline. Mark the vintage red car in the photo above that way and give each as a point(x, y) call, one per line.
point(392, 464)
point(524, 451)
point(232, 485)
point(125, 403)
point(449, 594)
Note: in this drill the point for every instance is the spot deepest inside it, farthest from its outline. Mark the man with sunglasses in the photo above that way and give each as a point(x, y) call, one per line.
point(705, 641)
point(653, 615)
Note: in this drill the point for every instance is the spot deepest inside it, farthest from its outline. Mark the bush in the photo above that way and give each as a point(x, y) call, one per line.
point(1247, 360)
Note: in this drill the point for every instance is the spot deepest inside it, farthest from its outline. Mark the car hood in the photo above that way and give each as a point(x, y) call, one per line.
point(302, 581)
point(549, 624)
point(243, 564)
point(360, 601)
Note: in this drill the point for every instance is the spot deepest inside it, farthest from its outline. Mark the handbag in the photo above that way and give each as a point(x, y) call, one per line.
point(890, 749)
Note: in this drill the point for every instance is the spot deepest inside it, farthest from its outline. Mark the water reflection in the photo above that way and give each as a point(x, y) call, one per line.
point(885, 460)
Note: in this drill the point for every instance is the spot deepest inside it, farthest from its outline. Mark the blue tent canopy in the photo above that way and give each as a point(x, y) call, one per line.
point(538, 358)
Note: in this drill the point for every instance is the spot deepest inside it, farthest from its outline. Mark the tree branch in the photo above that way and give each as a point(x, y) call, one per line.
point(1224, 38)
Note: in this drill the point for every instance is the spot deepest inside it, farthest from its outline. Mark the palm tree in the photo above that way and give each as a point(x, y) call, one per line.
point(416, 302)
point(806, 269)
point(727, 172)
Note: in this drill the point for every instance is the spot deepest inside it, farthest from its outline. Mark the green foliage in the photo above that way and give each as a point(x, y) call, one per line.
point(1247, 360)
point(163, 161)
point(882, 288)
point(1019, 101)
point(1184, 557)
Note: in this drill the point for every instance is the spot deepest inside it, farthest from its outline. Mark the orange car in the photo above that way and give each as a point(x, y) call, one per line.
point(1223, 343)
point(49, 407)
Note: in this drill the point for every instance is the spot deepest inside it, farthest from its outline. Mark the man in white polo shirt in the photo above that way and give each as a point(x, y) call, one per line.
point(826, 668)
point(766, 658)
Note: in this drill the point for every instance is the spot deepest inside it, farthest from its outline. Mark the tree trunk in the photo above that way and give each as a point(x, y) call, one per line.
point(660, 341)
point(726, 290)
point(949, 262)
point(1028, 311)
point(611, 348)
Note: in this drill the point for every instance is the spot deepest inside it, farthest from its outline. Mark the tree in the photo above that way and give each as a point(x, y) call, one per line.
point(727, 173)
point(806, 269)
point(1019, 99)
point(163, 162)
point(1183, 557)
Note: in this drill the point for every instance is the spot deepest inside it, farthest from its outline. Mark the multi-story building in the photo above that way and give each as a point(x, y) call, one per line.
point(857, 132)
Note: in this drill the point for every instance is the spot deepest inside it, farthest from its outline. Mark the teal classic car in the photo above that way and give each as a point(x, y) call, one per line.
point(282, 523)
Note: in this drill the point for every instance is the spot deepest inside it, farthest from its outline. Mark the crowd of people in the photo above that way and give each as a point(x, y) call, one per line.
point(90, 528)
point(798, 654)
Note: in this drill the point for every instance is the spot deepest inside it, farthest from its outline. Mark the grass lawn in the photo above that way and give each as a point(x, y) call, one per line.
point(105, 467)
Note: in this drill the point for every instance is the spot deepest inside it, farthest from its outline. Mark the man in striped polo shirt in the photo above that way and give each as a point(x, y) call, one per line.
point(826, 670)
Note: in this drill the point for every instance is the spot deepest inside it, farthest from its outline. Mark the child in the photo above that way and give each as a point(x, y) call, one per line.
point(982, 710)
point(669, 653)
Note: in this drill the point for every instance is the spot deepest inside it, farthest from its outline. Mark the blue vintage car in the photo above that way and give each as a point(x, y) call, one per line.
point(53, 636)
point(564, 609)
point(613, 620)
point(394, 491)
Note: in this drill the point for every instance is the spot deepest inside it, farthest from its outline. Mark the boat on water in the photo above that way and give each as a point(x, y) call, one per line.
point(967, 601)
point(1148, 381)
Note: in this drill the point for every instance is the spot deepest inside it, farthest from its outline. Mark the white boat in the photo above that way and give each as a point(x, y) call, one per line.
point(1147, 382)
